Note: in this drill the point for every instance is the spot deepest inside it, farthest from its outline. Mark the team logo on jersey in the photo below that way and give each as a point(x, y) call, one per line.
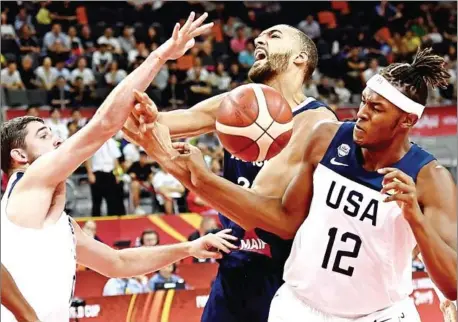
point(343, 150)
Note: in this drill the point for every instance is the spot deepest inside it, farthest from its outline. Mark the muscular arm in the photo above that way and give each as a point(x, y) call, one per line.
point(436, 232)
point(282, 213)
point(126, 262)
point(197, 120)
point(13, 299)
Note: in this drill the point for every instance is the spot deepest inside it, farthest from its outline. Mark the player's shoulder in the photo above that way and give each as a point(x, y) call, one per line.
point(312, 107)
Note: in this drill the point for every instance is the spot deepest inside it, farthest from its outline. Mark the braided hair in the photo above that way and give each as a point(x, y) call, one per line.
point(413, 79)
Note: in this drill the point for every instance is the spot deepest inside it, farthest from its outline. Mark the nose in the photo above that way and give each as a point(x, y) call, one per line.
point(363, 112)
point(57, 141)
point(260, 41)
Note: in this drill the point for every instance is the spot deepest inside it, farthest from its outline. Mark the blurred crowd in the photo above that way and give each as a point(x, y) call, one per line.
point(78, 51)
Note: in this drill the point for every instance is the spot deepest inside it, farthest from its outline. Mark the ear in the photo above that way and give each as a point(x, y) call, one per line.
point(301, 58)
point(19, 156)
point(409, 121)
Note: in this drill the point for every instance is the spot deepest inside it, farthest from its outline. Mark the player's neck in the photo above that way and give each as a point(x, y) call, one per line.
point(292, 91)
point(17, 169)
point(385, 156)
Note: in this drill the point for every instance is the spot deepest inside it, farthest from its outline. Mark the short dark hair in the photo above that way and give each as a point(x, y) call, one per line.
point(13, 133)
point(147, 232)
point(413, 79)
point(308, 46)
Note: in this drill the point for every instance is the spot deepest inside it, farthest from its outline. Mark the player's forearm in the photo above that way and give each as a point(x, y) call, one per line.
point(143, 260)
point(439, 258)
point(117, 106)
point(197, 120)
point(14, 301)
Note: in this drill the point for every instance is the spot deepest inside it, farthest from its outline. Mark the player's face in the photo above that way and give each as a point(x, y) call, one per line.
point(379, 121)
point(39, 140)
point(274, 48)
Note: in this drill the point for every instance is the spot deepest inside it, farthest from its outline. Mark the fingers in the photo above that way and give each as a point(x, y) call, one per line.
point(209, 254)
point(225, 234)
point(201, 30)
point(392, 173)
point(188, 22)
point(198, 21)
point(397, 187)
point(176, 30)
point(402, 197)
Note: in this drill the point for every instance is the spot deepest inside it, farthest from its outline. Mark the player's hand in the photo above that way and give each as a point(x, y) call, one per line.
point(448, 309)
point(192, 159)
point(211, 245)
point(91, 178)
point(401, 188)
point(183, 38)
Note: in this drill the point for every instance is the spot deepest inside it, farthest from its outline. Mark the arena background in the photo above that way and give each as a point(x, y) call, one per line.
point(60, 60)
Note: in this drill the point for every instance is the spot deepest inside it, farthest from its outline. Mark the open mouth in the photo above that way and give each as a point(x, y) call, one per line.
point(260, 55)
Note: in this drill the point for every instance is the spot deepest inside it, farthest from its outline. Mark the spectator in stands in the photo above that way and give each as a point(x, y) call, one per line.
point(102, 180)
point(140, 50)
point(43, 15)
point(28, 44)
point(81, 94)
point(238, 43)
point(78, 118)
point(122, 286)
point(46, 75)
point(206, 56)
point(165, 275)
point(127, 39)
point(220, 79)
point(246, 57)
point(174, 94)
point(141, 176)
point(433, 37)
point(310, 89)
point(411, 42)
point(75, 41)
point(420, 28)
point(149, 238)
point(57, 125)
point(167, 189)
point(207, 225)
point(85, 73)
point(10, 77)
point(27, 72)
point(32, 111)
point(23, 18)
point(56, 44)
point(72, 128)
point(131, 154)
point(342, 93)
point(310, 27)
point(373, 69)
point(87, 40)
point(61, 70)
point(152, 37)
point(60, 95)
point(354, 65)
point(101, 58)
point(326, 90)
point(63, 13)
point(235, 73)
point(90, 228)
point(114, 75)
point(7, 30)
point(161, 79)
point(109, 39)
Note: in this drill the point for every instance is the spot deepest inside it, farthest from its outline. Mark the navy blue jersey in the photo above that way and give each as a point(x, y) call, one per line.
point(257, 245)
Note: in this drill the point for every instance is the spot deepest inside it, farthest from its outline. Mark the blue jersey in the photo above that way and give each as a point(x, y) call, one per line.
point(256, 245)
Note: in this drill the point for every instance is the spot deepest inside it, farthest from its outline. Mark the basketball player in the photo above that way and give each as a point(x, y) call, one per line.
point(40, 243)
point(248, 279)
point(369, 196)
point(14, 301)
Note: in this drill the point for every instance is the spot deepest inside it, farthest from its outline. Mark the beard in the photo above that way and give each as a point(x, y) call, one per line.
point(267, 70)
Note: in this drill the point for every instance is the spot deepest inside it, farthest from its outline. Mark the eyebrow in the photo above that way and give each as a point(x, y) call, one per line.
point(41, 129)
point(270, 32)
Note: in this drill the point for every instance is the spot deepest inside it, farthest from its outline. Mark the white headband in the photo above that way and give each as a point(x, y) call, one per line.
point(381, 86)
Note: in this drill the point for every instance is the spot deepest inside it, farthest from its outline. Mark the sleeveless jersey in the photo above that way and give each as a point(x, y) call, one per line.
point(42, 262)
point(256, 244)
point(352, 256)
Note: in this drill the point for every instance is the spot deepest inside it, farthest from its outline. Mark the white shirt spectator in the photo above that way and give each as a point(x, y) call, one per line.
point(127, 44)
point(310, 90)
point(162, 179)
point(50, 38)
point(59, 128)
point(161, 78)
point(343, 94)
point(98, 57)
point(64, 72)
point(131, 153)
point(10, 79)
point(86, 74)
point(104, 159)
point(311, 29)
point(46, 77)
point(110, 41)
point(221, 82)
point(115, 78)
point(368, 73)
point(204, 74)
point(7, 30)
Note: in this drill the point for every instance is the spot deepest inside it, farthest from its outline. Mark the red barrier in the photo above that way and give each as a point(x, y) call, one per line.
point(187, 305)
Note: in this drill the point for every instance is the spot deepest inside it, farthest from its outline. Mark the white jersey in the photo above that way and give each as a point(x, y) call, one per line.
point(352, 256)
point(42, 262)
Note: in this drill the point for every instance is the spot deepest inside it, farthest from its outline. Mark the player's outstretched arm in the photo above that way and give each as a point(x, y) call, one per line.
point(429, 206)
point(142, 260)
point(14, 301)
point(55, 167)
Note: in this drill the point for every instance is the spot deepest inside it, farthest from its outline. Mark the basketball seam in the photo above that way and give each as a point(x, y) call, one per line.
point(255, 141)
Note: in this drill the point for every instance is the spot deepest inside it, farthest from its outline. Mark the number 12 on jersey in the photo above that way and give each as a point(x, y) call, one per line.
point(340, 253)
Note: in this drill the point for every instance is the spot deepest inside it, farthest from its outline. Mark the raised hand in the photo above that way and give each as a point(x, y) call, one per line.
point(211, 245)
point(183, 38)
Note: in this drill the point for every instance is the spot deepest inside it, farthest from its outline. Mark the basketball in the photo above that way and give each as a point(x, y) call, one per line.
point(254, 122)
